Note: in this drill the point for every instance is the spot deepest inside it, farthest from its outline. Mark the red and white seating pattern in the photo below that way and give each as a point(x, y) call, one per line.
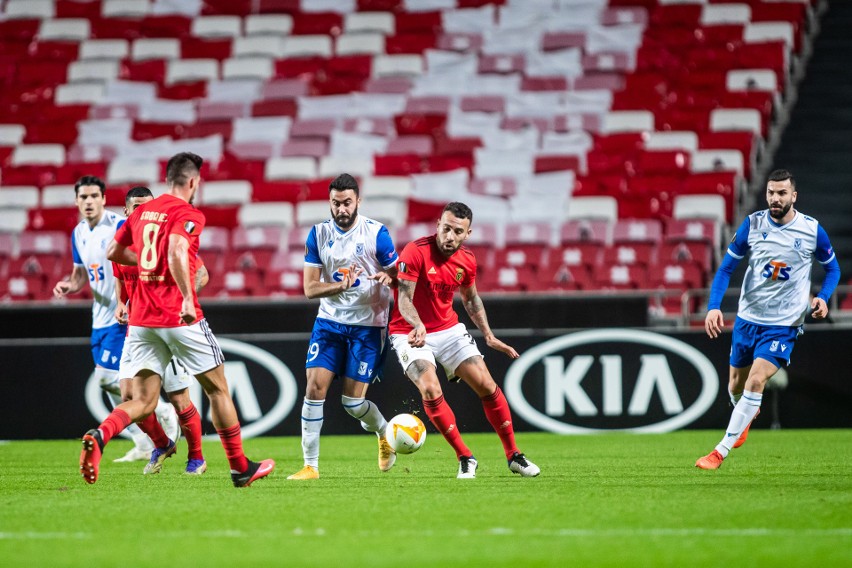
point(534, 112)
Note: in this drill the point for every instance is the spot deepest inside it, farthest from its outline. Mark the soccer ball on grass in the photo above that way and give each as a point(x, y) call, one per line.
point(406, 433)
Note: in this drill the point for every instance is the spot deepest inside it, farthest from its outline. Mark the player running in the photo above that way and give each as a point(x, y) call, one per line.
point(424, 328)
point(88, 249)
point(167, 320)
point(781, 243)
point(349, 261)
point(176, 380)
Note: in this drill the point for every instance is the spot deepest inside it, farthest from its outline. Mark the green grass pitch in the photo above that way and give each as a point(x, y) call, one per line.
point(783, 499)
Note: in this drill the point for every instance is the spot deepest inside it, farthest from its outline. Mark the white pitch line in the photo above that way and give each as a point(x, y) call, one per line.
point(494, 531)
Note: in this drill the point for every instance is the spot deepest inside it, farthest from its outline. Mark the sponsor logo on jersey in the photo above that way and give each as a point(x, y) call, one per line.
point(764, 235)
point(432, 270)
point(263, 388)
point(612, 379)
point(776, 270)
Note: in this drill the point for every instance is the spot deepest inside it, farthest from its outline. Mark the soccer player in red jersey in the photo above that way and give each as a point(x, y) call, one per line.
point(176, 381)
point(167, 320)
point(424, 329)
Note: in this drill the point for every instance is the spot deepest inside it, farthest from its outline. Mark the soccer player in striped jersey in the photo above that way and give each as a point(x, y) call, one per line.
point(781, 244)
point(88, 248)
point(424, 329)
point(349, 262)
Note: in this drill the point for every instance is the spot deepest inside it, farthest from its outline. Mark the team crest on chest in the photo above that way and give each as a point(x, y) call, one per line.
point(797, 244)
point(459, 274)
point(359, 249)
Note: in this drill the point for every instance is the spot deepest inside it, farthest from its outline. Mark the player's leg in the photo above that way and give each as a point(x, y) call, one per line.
point(363, 362)
point(473, 371)
point(162, 441)
point(196, 347)
point(324, 359)
point(318, 381)
point(146, 388)
point(106, 343)
point(418, 364)
point(176, 384)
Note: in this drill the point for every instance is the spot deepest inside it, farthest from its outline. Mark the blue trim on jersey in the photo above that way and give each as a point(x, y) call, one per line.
point(721, 281)
point(385, 251)
point(832, 277)
point(312, 248)
point(824, 253)
point(119, 224)
point(739, 245)
point(74, 254)
point(107, 343)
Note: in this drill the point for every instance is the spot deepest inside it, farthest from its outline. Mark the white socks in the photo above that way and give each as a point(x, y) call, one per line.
point(744, 412)
point(367, 412)
point(312, 418)
point(735, 398)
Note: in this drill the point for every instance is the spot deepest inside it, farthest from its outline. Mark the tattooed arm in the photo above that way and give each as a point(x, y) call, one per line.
point(417, 336)
point(476, 310)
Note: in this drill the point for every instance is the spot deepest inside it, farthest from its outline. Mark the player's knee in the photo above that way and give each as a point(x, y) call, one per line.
point(356, 407)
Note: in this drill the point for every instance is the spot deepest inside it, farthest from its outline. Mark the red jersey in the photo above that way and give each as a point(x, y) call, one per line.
point(157, 300)
point(129, 275)
point(437, 279)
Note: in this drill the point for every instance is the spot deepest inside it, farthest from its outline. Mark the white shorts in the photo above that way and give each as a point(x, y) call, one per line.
point(176, 377)
point(153, 347)
point(451, 347)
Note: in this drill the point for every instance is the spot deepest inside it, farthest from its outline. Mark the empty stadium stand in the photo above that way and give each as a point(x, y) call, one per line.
point(604, 145)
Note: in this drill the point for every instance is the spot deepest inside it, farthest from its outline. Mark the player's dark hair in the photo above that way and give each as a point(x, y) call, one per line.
point(782, 175)
point(138, 191)
point(89, 180)
point(182, 167)
point(344, 182)
point(459, 209)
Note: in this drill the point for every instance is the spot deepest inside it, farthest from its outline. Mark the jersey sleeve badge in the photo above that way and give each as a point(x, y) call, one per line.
point(459, 274)
point(189, 227)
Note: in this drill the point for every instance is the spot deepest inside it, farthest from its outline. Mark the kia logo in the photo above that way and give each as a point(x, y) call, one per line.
point(611, 379)
point(247, 368)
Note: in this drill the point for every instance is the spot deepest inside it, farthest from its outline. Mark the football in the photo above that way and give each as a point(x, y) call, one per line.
point(406, 433)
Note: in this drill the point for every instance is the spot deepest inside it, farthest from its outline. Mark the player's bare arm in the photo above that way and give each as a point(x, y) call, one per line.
point(117, 252)
point(314, 288)
point(71, 284)
point(202, 277)
point(714, 322)
point(819, 307)
point(178, 257)
point(121, 314)
point(417, 336)
point(476, 310)
point(385, 277)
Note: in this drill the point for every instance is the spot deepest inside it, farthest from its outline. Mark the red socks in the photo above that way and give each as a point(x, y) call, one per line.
point(151, 427)
point(190, 425)
point(442, 417)
point(117, 421)
point(497, 411)
point(233, 444)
